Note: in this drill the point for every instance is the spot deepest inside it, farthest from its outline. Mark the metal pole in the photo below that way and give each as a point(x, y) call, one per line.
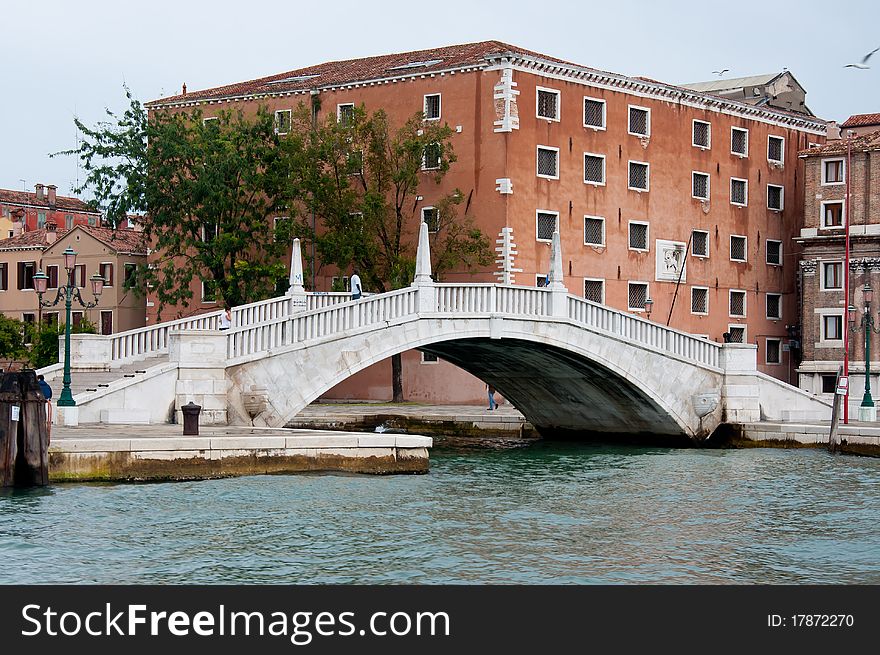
point(66, 399)
point(867, 401)
point(846, 302)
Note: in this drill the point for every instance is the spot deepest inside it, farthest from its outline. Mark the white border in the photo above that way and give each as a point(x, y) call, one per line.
point(647, 122)
point(822, 205)
point(708, 248)
point(745, 248)
point(705, 313)
point(823, 181)
point(739, 154)
point(767, 252)
point(766, 310)
point(604, 176)
point(604, 125)
point(596, 218)
point(737, 204)
point(766, 350)
point(289, 113)
point(439, 106)
point(558, 94)
point(596, 279)
point(545, 211)
point(708, 185)
point(693, 130)
point(647, 176)
point(745, 294)
point(822, 285)
point(781, 198)
point(538, 162)
point(647, 225)
point(629, 283)
point(781, 150)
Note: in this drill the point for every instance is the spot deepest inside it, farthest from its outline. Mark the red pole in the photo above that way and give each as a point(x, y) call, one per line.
point(846, 303)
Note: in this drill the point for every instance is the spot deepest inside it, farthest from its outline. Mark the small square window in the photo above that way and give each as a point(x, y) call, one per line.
point(546, 225)
point(638, 176)
point(638, 236)
point(209, 293)
point(772, 351)
point(739, 141)
point(594, 113)
point(774, 252)
point(832, 327)
point(548, 104)
point(429, 358)
point(345, 113)
point(282, 121)
point(775, 149)
point(832, 214)
point(432, 157)
point(548, 162)
point(700, 187)
point(774, 306)
point(832, 171)
point(594, 169)
point(699, 300)
point(738, 248)
point(829, 383)
point(431, 216)
point(700, 243)
point(432, 107)
point(702, 136)
point(639, 121)
point(832, 276)
point(739, 192)
point(594, 290)
point(594, 231)
point(775, 196)
point(637, 295)
point(737, 303)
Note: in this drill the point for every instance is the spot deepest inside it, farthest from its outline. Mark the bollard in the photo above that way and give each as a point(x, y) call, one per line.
point(191, 413)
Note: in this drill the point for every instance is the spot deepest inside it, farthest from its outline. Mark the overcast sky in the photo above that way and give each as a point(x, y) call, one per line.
point(62, 58)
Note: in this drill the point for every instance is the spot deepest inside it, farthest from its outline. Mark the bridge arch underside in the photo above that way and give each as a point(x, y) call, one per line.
point(562, 393)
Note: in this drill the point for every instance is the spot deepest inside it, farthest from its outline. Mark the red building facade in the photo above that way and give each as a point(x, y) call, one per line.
point(34, 211)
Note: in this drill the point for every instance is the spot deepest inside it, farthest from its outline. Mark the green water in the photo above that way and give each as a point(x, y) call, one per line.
point(542, 513)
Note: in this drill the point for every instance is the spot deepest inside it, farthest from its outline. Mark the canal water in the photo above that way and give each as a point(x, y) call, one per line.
point(538, 513)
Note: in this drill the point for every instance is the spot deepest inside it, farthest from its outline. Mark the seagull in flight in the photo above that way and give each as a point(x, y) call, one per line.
point(721, 72)
point(864, 63)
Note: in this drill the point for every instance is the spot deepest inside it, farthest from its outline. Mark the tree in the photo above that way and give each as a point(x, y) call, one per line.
point(44, 340)
point(208, 189)
point(12, 341)
point(361, 179)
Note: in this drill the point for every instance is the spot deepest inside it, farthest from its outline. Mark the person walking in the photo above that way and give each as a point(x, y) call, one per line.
point(491, 391)
point(226, 318)
point(356, 290)
point(47, 393)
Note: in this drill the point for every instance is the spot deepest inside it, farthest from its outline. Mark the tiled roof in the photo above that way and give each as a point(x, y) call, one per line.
point(123, 241)
point(869, 141)
point(335, 73)
point(62, 203)
point(860, 120)
point(713, 86)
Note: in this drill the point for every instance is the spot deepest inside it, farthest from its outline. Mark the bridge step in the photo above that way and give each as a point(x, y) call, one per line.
point(125, 416)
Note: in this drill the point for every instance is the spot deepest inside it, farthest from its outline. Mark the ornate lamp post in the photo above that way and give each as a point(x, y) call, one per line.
point(649, 305)
point(867, 325)
point(69, 291)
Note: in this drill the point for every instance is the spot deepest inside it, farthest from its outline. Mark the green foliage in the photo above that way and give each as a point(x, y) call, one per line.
point(12, 342)
point(44, 340)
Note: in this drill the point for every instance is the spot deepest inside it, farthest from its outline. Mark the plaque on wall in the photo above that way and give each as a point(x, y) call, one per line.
point(671, 261)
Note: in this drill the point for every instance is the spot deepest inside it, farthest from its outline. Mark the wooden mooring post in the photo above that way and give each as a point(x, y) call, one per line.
point(24, 434)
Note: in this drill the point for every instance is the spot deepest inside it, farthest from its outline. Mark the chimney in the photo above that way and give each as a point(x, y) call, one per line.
point(51, 232)
point(18, 218)
point(51, 191)
point(39, 190)
point(184, 89)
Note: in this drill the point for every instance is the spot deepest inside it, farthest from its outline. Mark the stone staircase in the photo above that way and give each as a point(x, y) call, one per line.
point(89, 381)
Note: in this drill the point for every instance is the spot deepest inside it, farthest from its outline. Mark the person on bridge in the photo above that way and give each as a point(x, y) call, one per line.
point(356, 290)
point(491, 390)
point(226, 318)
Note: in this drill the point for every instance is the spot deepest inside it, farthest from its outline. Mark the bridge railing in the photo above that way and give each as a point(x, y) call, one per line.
point(492, 298)
point(153, 339)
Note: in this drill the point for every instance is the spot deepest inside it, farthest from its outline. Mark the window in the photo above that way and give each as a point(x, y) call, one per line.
point(829, 383)
point(594, 231)
point(700, 185)
point(52, 272)
point(431, 216)
point(50, 318)
point(637, 294)
point(130, 273)
point(546, 225)
point(702, 134)
point(548, 104)
point(737, 303)
point(340, 284)
point(739, 141)
point(345, 113)
point(832, 214)
point(832, 276)
point(26, 272)
point(594, 290)
point(775, 149)
point(700, 243)
point(432, 107)
point(700, 300)
point(832, 327)
point(68, 221)
point(774, 252)
point(210, 232)
point(542, 280)
point(832, 171)
point(638, 235)
point(4, 276)
point(774, 306)
point(354, 163)
point(432, 157)
point(41, 219)
point(29, 318)
point(280, 228)
point(638, 176)
point(282, 121)
point(548, 162)
point(106, 322)
point(429, 358)
point(639, 121)
point(737, 248)
point(594, 169)
point(79, 276)
point(76, 318)
point(211, 122)
point(739, 192)
point(594, 113)
point(209, 291)
point(775, 196)
point(105, 270)
point(772, 348)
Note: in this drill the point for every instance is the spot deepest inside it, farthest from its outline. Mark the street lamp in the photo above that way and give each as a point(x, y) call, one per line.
point(69, 291)
point(649, 305)
point(867, 324)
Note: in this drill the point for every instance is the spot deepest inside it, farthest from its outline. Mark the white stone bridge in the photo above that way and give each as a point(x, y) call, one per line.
point(569, 365)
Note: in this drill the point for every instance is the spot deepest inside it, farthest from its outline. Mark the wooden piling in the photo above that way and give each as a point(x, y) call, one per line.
point(24, 435)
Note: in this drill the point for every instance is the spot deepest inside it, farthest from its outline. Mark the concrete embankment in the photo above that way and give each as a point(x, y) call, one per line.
point(856, 438)
point(160, 453)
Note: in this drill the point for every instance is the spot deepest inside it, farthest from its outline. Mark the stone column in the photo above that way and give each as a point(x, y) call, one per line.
point(296, 291)
point(740, 391)
point(88, 352)
point(422, 280)
point(201, 377)
point(555, 280)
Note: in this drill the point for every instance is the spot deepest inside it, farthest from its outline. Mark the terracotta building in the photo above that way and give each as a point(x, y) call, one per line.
point(860, 124)
point(111, 254)
point(824, 300)
point(661, 192)
point(22, 211)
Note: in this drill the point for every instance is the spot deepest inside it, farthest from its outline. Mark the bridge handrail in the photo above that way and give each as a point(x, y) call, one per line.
point(492, 298)
point(143, 341)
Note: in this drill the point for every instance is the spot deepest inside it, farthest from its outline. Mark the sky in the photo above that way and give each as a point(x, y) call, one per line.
point(60, 59)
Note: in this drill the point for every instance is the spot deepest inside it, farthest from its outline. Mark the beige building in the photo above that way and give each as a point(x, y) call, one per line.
point(113, 254)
